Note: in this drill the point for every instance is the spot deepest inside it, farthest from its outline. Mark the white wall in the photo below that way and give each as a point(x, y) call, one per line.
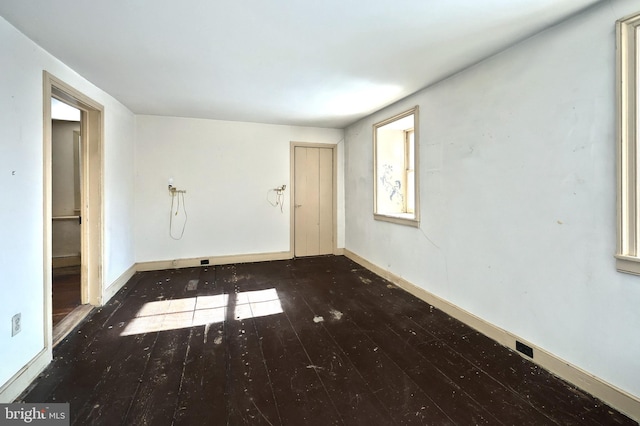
point(64, 170)
point(518, 197)
point(227, 169)
point(21, 173)
point(119, 189)
point(63, 167)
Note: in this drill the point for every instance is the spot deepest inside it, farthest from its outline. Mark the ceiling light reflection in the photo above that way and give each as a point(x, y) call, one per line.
point(360, 97)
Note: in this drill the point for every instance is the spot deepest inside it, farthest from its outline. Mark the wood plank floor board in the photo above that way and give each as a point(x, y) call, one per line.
point(354, 400)
point(442, 390)
point(406, 401)
point(134, 370)
point(157, 396)
point(561, 401)
point(300, 393)
point(116, 364)
point(200, 388)
point(378, 356)
point(506, 405)
point(249, 389)
point(114, 389)
point(97, 347)
point(403, 398)
point(202, 395)
point(76, 343)
point(66, 294)
point(46, 383)
point(452, 367)
point(297, 388)
point(440, 325)
point(94, 360)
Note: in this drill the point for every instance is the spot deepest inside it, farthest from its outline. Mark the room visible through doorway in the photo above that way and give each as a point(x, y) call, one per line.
point(66, 229)
point(73, 208)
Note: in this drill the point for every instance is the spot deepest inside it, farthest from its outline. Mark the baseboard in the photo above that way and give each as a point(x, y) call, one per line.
point(213, 260)
point(115, 286)
point(23, 378)
point(615, 397)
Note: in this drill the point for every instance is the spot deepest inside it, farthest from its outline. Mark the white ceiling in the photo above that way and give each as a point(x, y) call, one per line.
point(312, 63)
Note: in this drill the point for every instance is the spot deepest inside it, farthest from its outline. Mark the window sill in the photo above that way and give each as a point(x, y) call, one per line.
point(401, 219)
point(628, 264)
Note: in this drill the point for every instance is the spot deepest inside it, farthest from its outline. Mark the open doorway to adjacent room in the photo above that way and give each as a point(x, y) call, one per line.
point(66, 220)
point(73, 207)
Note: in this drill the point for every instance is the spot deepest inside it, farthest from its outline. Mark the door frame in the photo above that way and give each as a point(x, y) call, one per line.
point(292, 168)
point(91, 211)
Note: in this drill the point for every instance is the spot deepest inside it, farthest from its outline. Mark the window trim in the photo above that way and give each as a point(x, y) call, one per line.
point(408, 134)
point(399, 219)
point(628, 171)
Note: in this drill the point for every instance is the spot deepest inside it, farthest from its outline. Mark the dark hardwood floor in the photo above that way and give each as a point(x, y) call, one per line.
point(315, 341)
point(66, 291)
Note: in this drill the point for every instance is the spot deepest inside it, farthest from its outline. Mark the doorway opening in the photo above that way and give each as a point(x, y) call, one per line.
point(73, 208)
point(66, 195)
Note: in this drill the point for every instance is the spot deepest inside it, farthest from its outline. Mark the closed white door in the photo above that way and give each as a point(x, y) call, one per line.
point(313, 195)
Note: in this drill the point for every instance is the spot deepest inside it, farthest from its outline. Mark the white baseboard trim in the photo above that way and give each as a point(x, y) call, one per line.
point(120, 282)
point(213, 260)
point(615, 397)
point(23, 378)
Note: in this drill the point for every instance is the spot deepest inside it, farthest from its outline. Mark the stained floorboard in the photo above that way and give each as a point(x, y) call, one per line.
point(346, 386)
point(306, 341)
point(66, 292)
point(203, 381)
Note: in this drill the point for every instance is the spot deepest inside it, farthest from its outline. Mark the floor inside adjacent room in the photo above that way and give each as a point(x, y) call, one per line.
point(306, 341)
point(66, 291)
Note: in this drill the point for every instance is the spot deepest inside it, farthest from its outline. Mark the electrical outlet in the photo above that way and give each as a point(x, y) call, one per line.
point(522, 348)
point(16, 324)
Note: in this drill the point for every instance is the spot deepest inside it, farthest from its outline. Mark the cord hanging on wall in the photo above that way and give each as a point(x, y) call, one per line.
point(177, 197)
point(279, 197)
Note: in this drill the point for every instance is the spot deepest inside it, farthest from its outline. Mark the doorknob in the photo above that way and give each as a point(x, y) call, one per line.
point(298, 205)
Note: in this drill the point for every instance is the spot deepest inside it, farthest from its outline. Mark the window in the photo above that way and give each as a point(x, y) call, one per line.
point(628, 84)
point(395, 145)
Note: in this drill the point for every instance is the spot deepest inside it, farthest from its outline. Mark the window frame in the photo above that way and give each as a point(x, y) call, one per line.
point(628, 170)
point(404, 218)
point(407, 162)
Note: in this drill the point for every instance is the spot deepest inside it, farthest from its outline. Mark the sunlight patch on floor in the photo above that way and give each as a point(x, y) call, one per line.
point(173, 314)
point(259, 303)
point(164, 315)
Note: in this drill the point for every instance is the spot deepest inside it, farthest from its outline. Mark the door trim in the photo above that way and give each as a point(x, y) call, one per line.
point(292, 168)
point(92, 212)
